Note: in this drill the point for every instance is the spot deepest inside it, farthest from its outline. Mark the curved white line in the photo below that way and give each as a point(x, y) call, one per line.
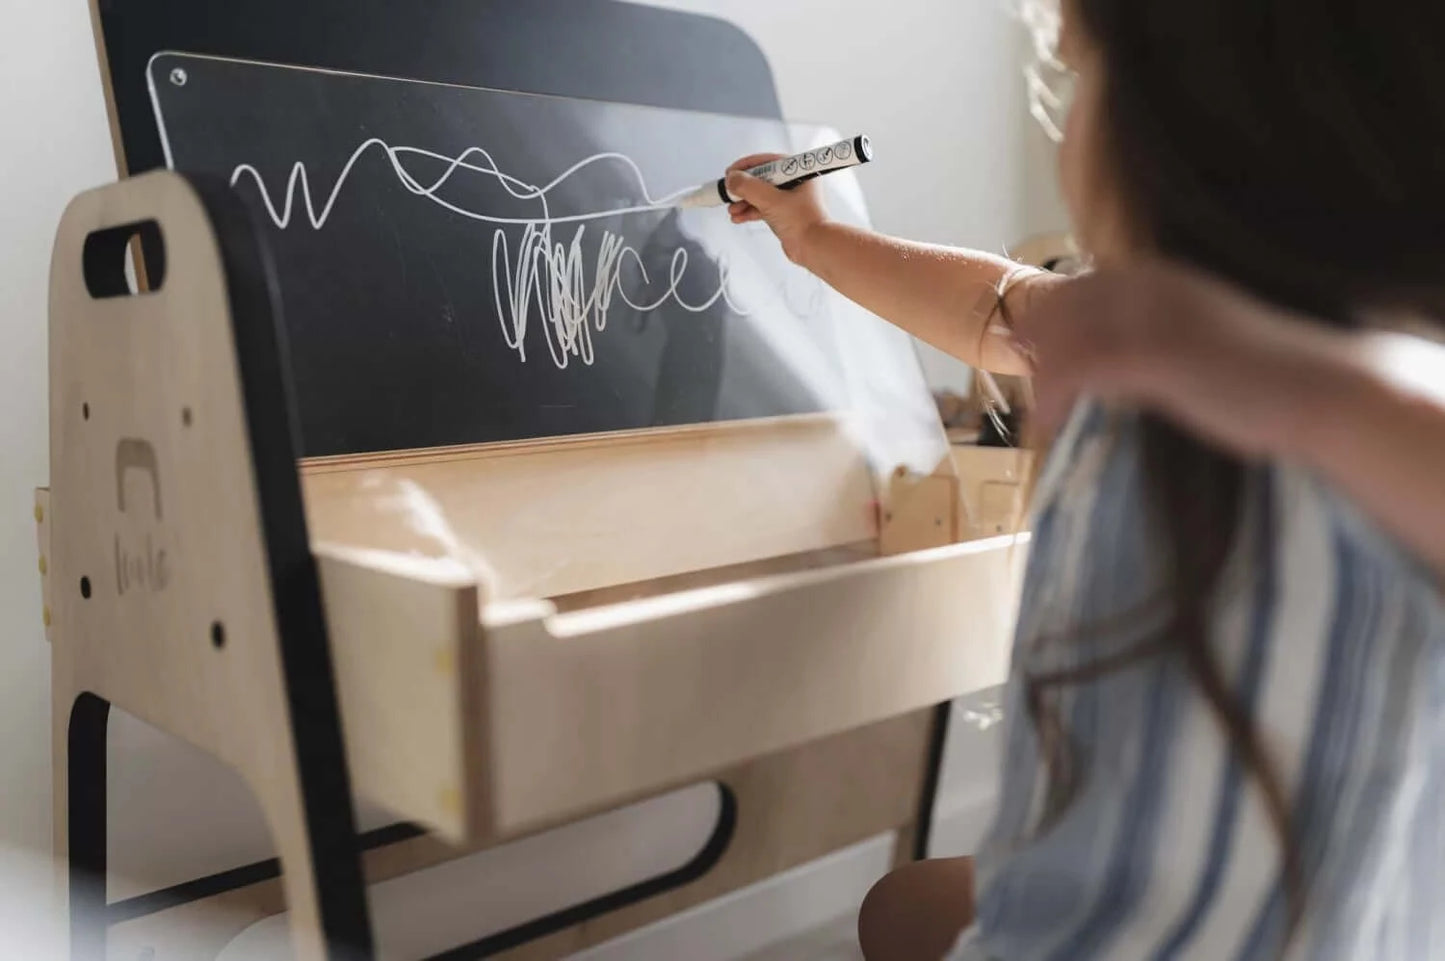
point(548, 274)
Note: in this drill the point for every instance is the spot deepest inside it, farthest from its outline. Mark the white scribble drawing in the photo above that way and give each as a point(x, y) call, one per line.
point(543, 272)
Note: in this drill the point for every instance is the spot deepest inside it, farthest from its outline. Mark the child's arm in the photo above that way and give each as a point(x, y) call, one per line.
point(1366, 410)
point(1381, 438)
point(944, 296)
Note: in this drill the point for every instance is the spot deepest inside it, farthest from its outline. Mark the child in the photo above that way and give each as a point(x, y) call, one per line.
point(1227, 715)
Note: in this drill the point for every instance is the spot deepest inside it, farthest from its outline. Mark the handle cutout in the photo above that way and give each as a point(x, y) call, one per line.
point(107, 251)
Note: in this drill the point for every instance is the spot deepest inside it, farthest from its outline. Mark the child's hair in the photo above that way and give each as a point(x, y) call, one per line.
point(1295, 148)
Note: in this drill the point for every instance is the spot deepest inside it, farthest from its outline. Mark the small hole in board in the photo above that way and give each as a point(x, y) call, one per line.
point(125, 260)
point(186, 416)
point(85, 412)
point(218, 635)
point(85, 588)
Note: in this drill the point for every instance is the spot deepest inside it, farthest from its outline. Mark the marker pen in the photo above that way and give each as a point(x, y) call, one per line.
point(787, 173)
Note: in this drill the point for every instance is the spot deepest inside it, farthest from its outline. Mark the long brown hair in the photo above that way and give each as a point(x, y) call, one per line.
point(1297, 149)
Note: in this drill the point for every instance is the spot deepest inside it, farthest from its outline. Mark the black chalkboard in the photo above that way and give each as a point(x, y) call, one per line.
point(606, 49)
point(453, 272)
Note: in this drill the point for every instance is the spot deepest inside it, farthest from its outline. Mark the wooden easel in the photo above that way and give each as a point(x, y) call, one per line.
point(198, 577)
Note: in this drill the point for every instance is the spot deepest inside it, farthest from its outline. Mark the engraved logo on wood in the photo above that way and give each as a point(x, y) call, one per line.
point(140, 565)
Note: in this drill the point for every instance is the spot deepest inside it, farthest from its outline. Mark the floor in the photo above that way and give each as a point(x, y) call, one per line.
point(834, 941)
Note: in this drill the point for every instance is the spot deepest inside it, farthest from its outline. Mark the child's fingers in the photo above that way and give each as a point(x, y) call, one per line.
point(754, 160)
point(739, 208)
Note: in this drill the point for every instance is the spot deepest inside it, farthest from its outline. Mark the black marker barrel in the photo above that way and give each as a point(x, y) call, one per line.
point(788, 172)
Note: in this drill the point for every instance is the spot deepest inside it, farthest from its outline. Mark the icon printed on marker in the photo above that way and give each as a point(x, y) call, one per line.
point(784, 173)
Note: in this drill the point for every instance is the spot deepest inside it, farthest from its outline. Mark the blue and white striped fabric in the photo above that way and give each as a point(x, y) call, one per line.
point(1330, 636)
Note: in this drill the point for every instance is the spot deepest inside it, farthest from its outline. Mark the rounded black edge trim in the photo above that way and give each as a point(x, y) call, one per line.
point(85, 814)
point(704, 861)
point(253, 292)
point(198, 889)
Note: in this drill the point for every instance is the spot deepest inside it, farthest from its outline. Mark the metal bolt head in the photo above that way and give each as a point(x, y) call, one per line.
point(178, 77)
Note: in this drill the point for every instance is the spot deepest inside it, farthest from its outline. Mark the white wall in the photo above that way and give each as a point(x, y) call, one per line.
point(56, 143)
point(938, 85)
point(934, 82)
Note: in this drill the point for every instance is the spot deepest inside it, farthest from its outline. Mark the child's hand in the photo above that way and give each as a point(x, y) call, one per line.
point(791, 214)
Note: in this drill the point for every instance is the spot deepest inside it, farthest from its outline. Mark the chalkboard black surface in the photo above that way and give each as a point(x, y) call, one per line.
point(605, 49)
point(462, 265)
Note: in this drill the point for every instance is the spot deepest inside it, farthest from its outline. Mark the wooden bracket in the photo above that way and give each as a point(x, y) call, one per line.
point(921, 511)
point(992, 483)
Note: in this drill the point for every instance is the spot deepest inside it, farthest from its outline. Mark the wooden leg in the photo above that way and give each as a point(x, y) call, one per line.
point(309, 806)
point(922, 832)
point(81, 831)
point(326, 924)
point(80, 848)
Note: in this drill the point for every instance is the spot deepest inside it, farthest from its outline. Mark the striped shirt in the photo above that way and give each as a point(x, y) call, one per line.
point(1330, 636)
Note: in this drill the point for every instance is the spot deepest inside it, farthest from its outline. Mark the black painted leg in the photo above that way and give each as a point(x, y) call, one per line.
point(937, 738)
point(85, 814)
point(321, 769)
